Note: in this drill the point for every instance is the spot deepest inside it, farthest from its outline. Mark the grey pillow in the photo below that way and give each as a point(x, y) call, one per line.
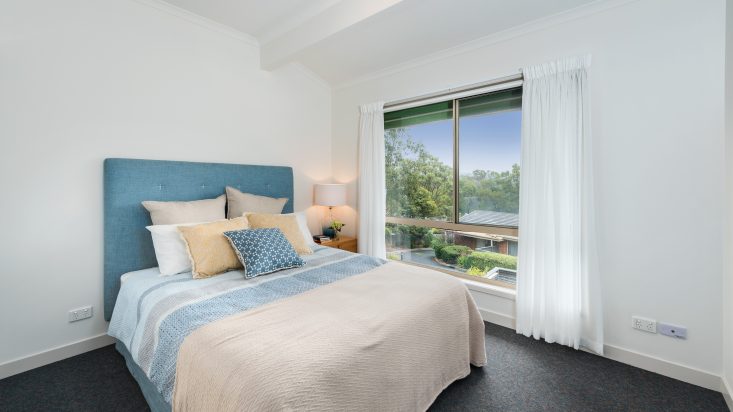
point(174, 213)
point(239, 203)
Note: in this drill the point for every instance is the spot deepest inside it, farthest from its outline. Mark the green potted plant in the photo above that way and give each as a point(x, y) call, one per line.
point(334, 229)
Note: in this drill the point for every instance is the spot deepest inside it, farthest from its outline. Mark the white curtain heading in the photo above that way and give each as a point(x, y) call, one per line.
point(372, 191)
point(558, 282)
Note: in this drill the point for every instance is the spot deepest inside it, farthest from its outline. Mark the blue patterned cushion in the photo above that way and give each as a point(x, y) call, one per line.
point(263, 251)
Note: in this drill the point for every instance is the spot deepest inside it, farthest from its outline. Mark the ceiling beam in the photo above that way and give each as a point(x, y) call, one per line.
point(331, 21)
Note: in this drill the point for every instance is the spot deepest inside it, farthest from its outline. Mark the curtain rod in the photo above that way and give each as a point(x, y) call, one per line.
point(447, 92)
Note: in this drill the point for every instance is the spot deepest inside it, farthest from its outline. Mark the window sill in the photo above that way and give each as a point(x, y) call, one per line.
point(481, 287)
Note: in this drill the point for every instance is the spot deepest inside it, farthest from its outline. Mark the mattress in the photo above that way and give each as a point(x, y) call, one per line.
point(346, 325)
point(150, 272)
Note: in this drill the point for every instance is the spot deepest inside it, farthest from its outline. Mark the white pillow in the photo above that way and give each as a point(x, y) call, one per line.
point(303, 224)
point(170, 249)
point(240, 203)
point(178, 213)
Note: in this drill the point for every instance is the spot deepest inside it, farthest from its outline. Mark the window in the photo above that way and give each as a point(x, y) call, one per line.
point(452, 178)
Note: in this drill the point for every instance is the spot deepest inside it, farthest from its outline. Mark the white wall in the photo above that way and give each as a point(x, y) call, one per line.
point(728, 273)
point(658, 123)
point(82, 80)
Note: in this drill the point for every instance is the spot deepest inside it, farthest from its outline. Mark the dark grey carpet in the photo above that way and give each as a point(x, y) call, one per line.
point(522, 375)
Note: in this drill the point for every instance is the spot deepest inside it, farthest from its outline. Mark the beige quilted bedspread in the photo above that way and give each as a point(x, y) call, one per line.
point(387, 340)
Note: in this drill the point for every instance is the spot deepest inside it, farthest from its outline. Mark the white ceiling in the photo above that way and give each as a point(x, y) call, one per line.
point(262, 19)
point(341, 40)
point(415, 28)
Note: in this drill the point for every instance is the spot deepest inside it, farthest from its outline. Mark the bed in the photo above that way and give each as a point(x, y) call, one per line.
point(343, 332)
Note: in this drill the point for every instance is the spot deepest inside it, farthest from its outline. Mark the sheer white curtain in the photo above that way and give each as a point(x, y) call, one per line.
point(372, 192)
point(558, 290)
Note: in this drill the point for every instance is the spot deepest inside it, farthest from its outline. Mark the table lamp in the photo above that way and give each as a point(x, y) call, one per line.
point(330, 195)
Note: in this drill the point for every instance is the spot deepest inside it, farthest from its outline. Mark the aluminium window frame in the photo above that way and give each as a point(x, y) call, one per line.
point(456, 225)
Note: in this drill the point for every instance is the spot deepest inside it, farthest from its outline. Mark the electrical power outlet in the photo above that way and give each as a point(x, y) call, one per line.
point(674, 331)
point(80, 313)
point(645, 324)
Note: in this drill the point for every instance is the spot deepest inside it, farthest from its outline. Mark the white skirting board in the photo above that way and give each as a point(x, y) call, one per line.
point(727, 392)
point(498, 318)
point(670, 369)
point(663, 367)
point(56, 354)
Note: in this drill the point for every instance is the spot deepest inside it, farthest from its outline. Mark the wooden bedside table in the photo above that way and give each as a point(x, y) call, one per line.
point(343, 242)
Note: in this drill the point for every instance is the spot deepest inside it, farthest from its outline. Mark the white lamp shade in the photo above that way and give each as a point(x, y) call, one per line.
point(330, 194)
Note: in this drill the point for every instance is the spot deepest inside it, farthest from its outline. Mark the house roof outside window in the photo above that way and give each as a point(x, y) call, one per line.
point(486, 217)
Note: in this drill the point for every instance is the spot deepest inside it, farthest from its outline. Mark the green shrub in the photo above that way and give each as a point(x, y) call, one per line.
point(487, 260)
point(451, 253)
point(420, 237)
point(474, 271)
point(438, 244)
point(404, 236)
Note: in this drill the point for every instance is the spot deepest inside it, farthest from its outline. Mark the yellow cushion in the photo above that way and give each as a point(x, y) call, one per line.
point(288, 224)
point(209, 250)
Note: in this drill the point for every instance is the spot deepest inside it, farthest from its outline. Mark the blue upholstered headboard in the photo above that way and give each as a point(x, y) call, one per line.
point(127, 182)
